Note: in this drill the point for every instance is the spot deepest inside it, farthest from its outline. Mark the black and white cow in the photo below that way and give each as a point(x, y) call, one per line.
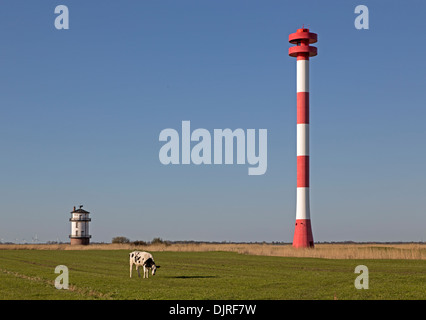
point(143, 259)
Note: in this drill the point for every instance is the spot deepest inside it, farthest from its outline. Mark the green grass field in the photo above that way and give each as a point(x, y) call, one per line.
point(104, 274)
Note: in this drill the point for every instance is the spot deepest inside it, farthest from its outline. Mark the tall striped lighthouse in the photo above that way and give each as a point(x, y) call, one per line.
point(302, 50)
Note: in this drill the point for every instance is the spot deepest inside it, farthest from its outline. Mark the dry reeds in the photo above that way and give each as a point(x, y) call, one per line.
point(326, 251)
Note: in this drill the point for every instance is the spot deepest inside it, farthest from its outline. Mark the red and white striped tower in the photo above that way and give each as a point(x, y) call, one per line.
point(302, 38)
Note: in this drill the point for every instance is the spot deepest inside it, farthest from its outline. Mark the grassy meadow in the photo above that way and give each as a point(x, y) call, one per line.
point(204, 275)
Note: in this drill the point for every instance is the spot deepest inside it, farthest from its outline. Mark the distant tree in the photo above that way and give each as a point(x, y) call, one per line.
point(139, 243)
point(160, 241)
point(157, 241)
point(120, 240)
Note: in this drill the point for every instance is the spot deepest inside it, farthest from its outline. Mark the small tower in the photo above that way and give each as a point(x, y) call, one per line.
point(80, 226)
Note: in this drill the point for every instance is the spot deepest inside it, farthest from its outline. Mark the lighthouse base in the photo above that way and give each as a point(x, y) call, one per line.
point(80, 241)
point(303, 234)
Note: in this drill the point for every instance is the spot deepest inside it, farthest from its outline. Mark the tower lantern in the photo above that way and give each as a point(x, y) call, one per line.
point(80, 226)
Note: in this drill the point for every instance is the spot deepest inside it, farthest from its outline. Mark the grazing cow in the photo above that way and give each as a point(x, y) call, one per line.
point(143, 259)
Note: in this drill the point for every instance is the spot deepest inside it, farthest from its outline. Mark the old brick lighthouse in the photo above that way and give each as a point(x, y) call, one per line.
point(80, 226)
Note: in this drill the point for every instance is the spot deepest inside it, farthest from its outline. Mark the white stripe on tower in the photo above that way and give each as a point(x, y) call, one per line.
point(302, 201)
point(302, 76)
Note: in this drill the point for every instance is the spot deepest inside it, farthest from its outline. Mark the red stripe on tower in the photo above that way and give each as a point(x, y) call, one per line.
point(303, 171)
point(302, 38)
point(303, 107)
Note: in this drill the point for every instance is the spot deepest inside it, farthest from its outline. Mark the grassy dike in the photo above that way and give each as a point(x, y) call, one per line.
point(104, 274)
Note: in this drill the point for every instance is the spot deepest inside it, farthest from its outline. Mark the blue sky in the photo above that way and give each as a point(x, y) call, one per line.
point(81, 111)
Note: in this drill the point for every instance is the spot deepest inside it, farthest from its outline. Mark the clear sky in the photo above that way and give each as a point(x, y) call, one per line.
point(81, 111)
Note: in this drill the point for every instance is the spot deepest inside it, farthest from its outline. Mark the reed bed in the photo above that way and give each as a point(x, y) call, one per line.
point(413, 251)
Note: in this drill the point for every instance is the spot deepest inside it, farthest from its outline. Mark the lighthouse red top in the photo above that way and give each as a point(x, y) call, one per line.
point(302, 38)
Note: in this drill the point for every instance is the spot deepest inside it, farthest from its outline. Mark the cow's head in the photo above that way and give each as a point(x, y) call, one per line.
point(153, 269)
point(150, 264)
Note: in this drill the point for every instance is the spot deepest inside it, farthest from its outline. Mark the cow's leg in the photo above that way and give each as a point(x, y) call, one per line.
point(131, 267)
point(137, 268)
point(145, 272)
